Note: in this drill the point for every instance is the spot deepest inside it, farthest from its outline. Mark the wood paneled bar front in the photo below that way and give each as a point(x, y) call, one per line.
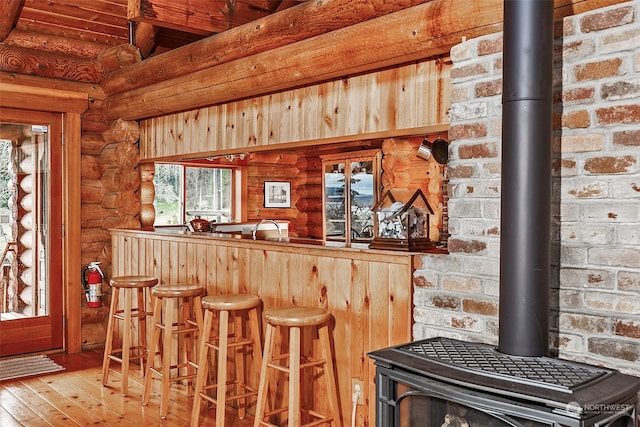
point(368, 292)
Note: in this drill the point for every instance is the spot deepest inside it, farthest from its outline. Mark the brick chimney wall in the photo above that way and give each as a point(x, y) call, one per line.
point(595, 283)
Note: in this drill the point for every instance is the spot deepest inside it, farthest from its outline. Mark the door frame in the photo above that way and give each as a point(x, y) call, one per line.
point(37, 95)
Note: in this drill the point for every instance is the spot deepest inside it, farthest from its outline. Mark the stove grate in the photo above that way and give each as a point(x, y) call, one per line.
point(485, 360)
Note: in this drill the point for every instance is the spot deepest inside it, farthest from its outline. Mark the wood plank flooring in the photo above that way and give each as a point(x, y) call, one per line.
point(76, 397)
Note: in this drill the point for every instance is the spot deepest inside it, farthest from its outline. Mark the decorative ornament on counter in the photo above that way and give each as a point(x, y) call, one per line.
point(402, 226)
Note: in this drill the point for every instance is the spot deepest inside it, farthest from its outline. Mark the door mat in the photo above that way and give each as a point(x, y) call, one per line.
point(26, 366)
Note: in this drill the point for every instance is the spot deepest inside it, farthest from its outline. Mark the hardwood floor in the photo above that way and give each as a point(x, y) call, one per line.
point(76, 397)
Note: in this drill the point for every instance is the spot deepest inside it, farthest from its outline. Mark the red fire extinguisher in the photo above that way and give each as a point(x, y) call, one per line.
point(92, 284)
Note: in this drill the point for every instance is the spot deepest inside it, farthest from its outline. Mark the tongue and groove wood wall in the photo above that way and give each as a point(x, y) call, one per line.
point(406, 100)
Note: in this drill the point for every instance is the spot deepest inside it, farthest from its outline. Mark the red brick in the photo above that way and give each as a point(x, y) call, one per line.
point(576, 120)
point(609, 165)
point(467, 131)
point(463, 322)
point(607, 19)
point(627, 328)
point(474, 306)
point(614, 348)
point(461, 171)
point(563, 164)
point(469, 247)
point(445, 302)
point(422, 282)
point(598, 70)
point(629, 138)
point(469, 71)
point(581, 95)
point(488, 47)
point(621, 114)
point(619, 90)
point(476, 151)
point(491, 88)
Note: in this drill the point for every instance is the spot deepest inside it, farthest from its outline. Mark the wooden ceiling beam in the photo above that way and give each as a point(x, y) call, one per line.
point(411, 34)
point(205, 17)
point(10, 11)
point(291, 25)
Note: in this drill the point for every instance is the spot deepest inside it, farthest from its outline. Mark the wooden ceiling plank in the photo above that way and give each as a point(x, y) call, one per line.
point(204, 17)
point(81, 23)
point(95, 11)
point(10, 11)
point(294, 24)
point(73, 28)
point(415, 33)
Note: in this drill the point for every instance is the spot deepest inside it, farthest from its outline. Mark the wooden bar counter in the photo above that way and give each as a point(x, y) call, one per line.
point(368, 292)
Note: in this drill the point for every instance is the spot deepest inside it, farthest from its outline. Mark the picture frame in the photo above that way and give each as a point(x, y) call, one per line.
point(277, 194)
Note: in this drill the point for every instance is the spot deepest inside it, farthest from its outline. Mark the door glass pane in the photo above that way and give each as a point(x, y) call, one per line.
point(362, 200)
point(335, 201)
point(24, 227)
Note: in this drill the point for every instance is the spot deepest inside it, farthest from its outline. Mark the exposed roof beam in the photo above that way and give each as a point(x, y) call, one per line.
point(291, 25)
point(411, 34)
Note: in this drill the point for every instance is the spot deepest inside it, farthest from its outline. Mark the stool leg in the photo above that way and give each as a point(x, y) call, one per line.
point(221, 389)
point(108, 346)
point(167, 320)
point(142, 327)
point(126, 341)
point(325, 345)
point(239, 364)
point(151, 353)
point(203, 366)
point(263, 385)
point(294, 376)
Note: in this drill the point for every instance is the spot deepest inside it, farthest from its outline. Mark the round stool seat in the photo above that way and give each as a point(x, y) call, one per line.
point(133, 281)
point(230, 302)
point(177, 291)
point(297, 316)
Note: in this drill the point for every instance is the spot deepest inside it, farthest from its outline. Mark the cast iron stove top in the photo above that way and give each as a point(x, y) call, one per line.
point(551, 381)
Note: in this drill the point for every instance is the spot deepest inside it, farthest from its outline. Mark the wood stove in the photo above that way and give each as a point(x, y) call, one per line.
point(443, 382)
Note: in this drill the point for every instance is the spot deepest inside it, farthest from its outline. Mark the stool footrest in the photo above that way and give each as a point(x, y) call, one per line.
point(310, 363)
point(230, 345)
point(137, 315)
point(229, 398)
point(321, 418)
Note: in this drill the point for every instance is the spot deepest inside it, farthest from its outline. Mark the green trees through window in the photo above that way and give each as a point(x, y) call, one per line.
point(186, 192)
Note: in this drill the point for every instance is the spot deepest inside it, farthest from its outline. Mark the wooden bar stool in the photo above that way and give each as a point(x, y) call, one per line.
point(166, 320)
point(127, 286)
point(243, 341)
point(294, 319)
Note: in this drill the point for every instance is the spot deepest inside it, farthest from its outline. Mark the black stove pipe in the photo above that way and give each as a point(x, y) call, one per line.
point(525, 225)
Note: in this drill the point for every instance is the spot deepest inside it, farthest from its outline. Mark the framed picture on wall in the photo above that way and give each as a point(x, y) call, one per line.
point(277, 194)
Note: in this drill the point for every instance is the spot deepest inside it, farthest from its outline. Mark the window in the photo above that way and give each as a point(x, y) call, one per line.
point(350, 190)
point(185, 192)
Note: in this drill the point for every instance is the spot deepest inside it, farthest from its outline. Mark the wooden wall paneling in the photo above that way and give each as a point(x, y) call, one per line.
point(391, 100)
point(386, 94)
